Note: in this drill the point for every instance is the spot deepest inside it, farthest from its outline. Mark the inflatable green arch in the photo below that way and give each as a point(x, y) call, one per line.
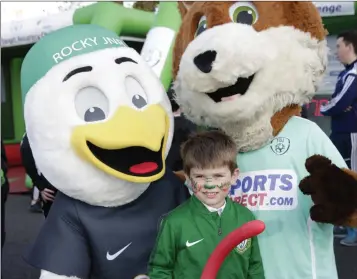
point(159, 29)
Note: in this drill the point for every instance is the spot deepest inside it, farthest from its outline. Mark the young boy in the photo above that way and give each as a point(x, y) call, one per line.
point(189, 234)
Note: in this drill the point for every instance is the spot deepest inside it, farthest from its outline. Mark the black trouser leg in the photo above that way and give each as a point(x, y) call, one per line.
point(4, 194)
point(2, 224)
point(46, 208)
point(344, 146)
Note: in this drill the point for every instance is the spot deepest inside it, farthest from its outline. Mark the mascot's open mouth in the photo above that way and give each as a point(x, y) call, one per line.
point(134, 160)
point(226, 93)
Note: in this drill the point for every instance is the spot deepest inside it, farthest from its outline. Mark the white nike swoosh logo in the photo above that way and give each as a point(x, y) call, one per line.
point(114, 256)
point(188, 244)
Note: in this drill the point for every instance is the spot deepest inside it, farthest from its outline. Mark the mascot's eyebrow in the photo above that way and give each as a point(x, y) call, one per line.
point(124, 59)
point(77, 71)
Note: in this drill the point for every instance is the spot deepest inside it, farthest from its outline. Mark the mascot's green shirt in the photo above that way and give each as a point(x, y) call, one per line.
point(292, 245)
point(189, 235)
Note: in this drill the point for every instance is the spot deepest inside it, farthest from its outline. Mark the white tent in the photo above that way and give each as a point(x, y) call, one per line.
point(49, 17)
point(28, 31)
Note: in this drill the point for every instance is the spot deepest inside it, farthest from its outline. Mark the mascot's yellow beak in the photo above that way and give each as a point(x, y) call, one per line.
point(131, 145)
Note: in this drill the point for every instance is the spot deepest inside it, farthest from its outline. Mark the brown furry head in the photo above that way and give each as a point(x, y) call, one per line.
point(237, 62)
point(301, 15)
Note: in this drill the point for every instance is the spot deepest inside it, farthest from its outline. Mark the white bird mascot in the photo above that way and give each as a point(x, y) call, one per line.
point(100, 126)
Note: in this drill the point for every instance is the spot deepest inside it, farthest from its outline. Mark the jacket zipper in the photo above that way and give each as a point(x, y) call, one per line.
point(219, 226)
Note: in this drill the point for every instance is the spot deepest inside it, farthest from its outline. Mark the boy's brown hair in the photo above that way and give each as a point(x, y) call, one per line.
point(208, 149)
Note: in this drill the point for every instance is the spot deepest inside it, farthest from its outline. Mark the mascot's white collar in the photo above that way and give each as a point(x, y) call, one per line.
point(74, 127)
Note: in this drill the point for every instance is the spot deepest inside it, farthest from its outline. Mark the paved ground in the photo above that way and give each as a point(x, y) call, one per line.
point(22, 227)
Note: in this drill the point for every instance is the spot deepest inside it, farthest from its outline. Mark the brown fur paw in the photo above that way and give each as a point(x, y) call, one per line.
point(327, 214)
point(334, 193)
point(340, 187)
point(330, 214)
point(306, 186)
point(320, 213)
point(330, 184)
point(316, 162)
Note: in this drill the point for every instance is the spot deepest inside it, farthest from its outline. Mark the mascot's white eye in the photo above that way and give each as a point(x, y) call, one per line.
point(202, 26)
point(91, 104)
point(243, 12)
point(137, 92)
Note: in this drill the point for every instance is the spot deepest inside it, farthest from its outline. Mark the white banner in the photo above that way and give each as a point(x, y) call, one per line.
point(31, 30)
point(329, 9)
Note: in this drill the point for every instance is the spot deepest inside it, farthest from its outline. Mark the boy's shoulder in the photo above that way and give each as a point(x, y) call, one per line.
point(179, 212)
point(241, 210)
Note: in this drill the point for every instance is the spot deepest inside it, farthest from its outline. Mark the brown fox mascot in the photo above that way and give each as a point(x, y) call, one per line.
point(246, 68)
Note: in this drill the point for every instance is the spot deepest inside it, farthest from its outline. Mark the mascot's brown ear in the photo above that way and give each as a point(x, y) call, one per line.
point(184, 36)
point(184, 6)
point(306, 17)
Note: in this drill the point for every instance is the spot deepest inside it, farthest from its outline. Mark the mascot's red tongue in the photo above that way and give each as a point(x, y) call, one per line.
point(230, 98)
point(142, 168)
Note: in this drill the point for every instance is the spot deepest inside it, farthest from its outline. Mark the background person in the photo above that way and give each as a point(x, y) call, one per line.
point(343, 111)
point(183, 128)
point(36, 203)
point(47, 190)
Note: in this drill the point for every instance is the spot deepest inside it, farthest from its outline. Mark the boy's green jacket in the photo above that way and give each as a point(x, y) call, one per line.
point(189, 235)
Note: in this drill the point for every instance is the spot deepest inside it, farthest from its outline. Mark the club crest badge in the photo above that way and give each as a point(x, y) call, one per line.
point(243, 246)
point(280, 145)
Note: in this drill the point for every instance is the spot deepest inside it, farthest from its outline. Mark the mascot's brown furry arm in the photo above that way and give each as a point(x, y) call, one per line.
point(333, 191)
point(205, 28)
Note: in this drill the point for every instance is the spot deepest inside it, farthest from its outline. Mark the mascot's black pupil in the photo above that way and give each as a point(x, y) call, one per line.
point(201, 29)
point(138, 101)
point(94, 114)
point(245, 17)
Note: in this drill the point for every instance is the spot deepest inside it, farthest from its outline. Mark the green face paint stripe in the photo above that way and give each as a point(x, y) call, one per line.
point(195, 185)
